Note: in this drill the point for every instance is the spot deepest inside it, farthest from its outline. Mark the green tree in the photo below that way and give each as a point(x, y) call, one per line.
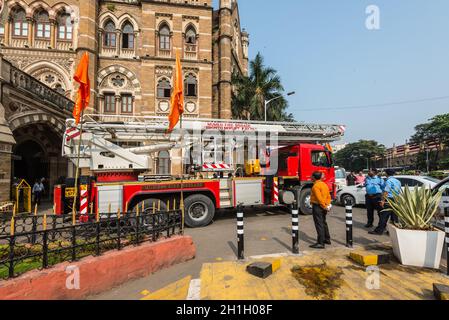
point(359, 155)
point(437, 131)
point(250, 94)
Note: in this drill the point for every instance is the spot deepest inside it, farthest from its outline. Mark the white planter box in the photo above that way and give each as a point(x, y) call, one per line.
point(417, 248)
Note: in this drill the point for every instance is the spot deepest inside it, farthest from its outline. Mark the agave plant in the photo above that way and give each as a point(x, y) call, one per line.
point(415, 208)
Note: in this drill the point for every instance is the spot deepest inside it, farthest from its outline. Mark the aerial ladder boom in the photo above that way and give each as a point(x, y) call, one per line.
point(106, 139)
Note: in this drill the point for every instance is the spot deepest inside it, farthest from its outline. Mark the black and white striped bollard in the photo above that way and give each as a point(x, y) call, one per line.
point(240, 234)
point(349, 237)
point(295, 228)
point(446, 229)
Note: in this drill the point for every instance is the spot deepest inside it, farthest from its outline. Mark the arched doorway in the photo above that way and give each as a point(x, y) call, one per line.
point(30, 161)
point(37, 155)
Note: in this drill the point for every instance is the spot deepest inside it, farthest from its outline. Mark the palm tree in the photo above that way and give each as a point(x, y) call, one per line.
point(250, 94)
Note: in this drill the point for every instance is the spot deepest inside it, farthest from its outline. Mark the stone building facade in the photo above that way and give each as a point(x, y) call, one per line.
point(407, 155)
point(132, 46)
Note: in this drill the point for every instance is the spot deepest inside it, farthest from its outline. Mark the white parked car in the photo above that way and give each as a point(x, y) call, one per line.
point(443, 186)
point(355, 195)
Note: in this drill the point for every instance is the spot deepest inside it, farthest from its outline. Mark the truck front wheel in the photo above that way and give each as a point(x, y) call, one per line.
point(199, 211)
point(304, 202)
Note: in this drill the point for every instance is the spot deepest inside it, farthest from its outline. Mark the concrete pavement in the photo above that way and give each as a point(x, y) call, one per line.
point(266, 232)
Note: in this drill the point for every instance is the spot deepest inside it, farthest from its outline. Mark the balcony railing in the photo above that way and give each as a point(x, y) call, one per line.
point(190, 51)
point(127, 53)
point(108, 52)
point(64, 45)
point(19, 42)
point(164, 53)
point(42, 44)
point(22, 80)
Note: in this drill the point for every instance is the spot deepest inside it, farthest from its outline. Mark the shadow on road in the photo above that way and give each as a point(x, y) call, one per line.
point(230, 214)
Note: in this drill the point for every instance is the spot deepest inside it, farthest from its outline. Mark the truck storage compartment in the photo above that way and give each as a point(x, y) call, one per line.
point(110, 198)
point(248, 191)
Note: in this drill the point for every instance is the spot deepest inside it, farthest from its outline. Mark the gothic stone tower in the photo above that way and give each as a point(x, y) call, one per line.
point(230, 56)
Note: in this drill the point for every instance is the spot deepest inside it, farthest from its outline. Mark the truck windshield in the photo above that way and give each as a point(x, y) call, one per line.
point(321, 159)
point(340, 174)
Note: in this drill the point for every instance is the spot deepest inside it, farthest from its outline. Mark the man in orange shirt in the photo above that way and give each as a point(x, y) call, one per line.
point(321, 203)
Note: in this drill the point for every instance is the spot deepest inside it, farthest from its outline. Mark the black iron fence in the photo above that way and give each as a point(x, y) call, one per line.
point(39, 242)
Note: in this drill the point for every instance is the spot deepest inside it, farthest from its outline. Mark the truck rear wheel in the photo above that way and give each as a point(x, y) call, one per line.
point(304, 202)
point(199, 211)
point(146, 206)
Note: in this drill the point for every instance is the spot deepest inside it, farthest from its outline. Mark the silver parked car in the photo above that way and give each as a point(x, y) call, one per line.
point(355, 195)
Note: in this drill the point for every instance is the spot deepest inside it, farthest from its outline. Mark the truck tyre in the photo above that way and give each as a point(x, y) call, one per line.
point(148, 210)
point(304, 202)
point(149, 203)
point(199, 211)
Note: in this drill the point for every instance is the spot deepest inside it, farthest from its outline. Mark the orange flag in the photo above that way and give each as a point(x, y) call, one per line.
point(177, 99)
point(82, 77)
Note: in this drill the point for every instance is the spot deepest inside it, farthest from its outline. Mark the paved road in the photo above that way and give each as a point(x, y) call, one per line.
point(266, 232)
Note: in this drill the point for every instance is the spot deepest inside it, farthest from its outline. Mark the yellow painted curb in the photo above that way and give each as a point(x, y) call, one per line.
point(370, 258)
point(175, 291)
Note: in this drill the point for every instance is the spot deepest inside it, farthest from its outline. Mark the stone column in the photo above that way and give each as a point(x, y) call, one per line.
point(8, 31)
point(118, 104)
point(30, 32)
point(88, 42)
point(7, 141)
point(53, 33)
point(118, 42)
point(225, 47)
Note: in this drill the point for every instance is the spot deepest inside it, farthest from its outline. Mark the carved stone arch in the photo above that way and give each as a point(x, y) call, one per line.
point(24, 119)
point(127, 18)
point(131, 78)
point(104, 17)
point(37, 5)
point(64, 7)
point(19, 3)
point(165, 22)
point(191, 25)
point(42, 68)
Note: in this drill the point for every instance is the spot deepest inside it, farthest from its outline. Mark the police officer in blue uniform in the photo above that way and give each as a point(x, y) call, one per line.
point(392, 187)
point(374, 188)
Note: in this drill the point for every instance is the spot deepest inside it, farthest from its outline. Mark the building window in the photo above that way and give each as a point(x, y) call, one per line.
point(164, 88)
point(110, 37)
point(42, 24)
point(164, 37)
point(128, 36)
point(191, 36)
point(65, 27)
point(109, 103)
point(190, 86)
point(127, 103)
point(2, 30)
point(20, 23)
point(163, 163)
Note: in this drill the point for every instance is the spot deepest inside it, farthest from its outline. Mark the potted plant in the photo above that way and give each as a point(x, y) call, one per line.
point(415, 241)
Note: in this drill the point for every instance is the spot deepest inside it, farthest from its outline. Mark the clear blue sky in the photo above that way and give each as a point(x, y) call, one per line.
point(323, 51)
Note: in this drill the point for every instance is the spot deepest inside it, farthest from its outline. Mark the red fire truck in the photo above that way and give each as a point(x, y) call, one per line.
point(119, 178)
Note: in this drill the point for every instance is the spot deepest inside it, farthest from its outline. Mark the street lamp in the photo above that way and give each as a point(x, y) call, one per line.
point(267, 102)
point(428, 159)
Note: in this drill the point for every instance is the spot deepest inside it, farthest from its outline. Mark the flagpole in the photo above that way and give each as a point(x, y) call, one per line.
point(182, 177)
point(77, 174)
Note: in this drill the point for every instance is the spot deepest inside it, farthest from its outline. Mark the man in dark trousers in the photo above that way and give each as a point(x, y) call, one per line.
point(321, 203)
point(374, 189)
point(392, 188)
